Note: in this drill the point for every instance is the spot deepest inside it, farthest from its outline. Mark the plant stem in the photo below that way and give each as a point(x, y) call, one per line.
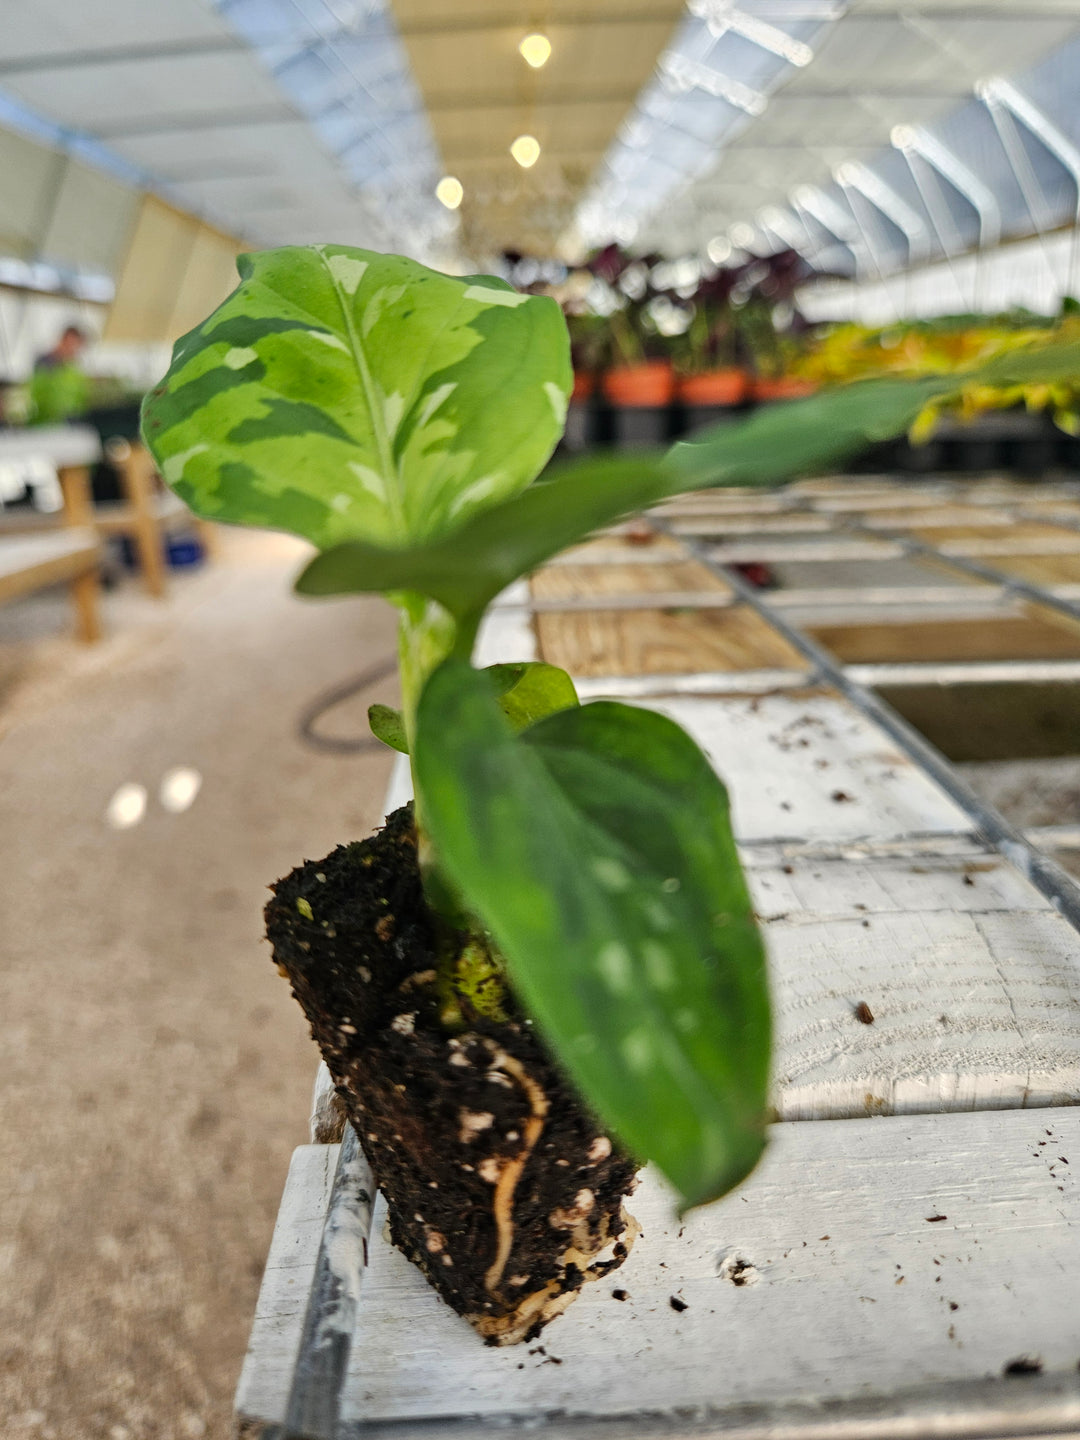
point(427, 636)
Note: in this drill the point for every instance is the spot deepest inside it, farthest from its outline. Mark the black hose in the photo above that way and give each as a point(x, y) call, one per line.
point(327, 699)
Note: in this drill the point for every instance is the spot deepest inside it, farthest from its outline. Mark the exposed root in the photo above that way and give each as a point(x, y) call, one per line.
point(503, 1201)
point(539, 1306)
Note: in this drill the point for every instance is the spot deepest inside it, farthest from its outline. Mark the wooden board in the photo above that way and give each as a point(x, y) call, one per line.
point(858, 1313)
point(970, 975)
point(1003, 637)
point(921, 519)
point(1030, 532)
point(30, 562)
point(558, 582)
point(653, 642)
point(1042, 569)
point(59, 444)
point(786, 758)
point(606, 549)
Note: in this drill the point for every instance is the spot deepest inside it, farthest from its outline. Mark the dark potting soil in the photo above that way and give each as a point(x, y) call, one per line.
point(499, 1183)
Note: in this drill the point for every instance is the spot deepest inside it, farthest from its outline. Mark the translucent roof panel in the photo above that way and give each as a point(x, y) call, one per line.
point(274, 119)
point(869, 142)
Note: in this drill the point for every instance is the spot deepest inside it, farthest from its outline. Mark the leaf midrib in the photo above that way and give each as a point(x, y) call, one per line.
point(394, 499)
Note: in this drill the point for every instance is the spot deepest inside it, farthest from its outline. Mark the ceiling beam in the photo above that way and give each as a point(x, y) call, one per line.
point(124, 54)
point(137, 127)
point(234, 45)
point(575, 17)
point(455, 102)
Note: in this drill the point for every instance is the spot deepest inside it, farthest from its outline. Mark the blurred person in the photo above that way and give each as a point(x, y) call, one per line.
point(59, 389)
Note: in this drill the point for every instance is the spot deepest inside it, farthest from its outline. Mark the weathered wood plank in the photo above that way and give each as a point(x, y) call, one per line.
point(30, 562)
point(557, 582)
point(1041, 569)
point(609, 549)
point(652, 642)
point(263, 1388)
point(853, 1300)
point(925, 638)
point(972, 980)
point(1030, 533)
point(812, 768)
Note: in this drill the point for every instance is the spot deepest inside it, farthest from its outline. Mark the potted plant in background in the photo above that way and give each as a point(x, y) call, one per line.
point(548, 970)
point(712, 382)
point(638, 379)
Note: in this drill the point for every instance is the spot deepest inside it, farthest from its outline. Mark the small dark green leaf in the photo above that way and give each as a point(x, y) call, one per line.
point(597, 848)
point(388, 726)
point(530, 691)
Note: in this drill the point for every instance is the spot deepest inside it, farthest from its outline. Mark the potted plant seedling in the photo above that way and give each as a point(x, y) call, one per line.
point(548, 970)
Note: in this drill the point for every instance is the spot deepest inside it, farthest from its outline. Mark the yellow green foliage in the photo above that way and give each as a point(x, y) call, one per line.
point(855, 352)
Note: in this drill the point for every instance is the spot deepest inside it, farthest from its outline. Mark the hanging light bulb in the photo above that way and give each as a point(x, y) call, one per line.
point(450, 192)
point(526, 151)
point(535, 50)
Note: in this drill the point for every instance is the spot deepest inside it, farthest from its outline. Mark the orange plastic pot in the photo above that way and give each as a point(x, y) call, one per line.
point(641, 386)
point(714, 387)
point(584, 385)
point(783, 387)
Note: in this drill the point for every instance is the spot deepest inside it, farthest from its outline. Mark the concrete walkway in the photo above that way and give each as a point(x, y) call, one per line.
point(154, 1071)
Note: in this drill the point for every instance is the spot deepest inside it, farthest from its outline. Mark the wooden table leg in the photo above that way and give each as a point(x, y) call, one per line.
point(79, 512)
point(75, 487)
point(137, 471)
point(85, 594)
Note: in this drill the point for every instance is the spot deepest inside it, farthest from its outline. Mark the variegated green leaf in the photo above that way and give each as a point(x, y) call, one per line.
point(343, 394)
point(596, 846)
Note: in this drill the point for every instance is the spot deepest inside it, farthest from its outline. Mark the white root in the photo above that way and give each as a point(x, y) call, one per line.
point(503, 1200)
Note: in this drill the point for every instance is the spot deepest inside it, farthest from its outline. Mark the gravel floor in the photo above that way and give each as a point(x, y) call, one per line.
point(156, 1072)
point(1030, 792)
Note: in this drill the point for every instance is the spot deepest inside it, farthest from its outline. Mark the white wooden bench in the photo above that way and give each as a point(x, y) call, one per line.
point(147, 514)
point(68, 551)
point(904, 1260)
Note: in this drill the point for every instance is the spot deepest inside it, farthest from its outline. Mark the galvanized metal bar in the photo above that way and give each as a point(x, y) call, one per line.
point(872, 674)
point(314, 1403)
point(965, 672)
point(698, 682)
point(1049, 878)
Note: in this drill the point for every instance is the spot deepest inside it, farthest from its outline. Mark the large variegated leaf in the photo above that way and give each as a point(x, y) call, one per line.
point(339, 394)
point(597, 848)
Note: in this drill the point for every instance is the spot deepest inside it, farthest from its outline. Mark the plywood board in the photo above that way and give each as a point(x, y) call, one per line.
point(609, 549)
point(1020, 530)
point(1005, 637)
point(654, 642)
point(871, 1277)
point(930, 518)
point(558, 582)
point(1045, 570)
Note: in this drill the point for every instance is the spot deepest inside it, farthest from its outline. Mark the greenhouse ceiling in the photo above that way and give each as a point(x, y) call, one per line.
point(869, 135)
